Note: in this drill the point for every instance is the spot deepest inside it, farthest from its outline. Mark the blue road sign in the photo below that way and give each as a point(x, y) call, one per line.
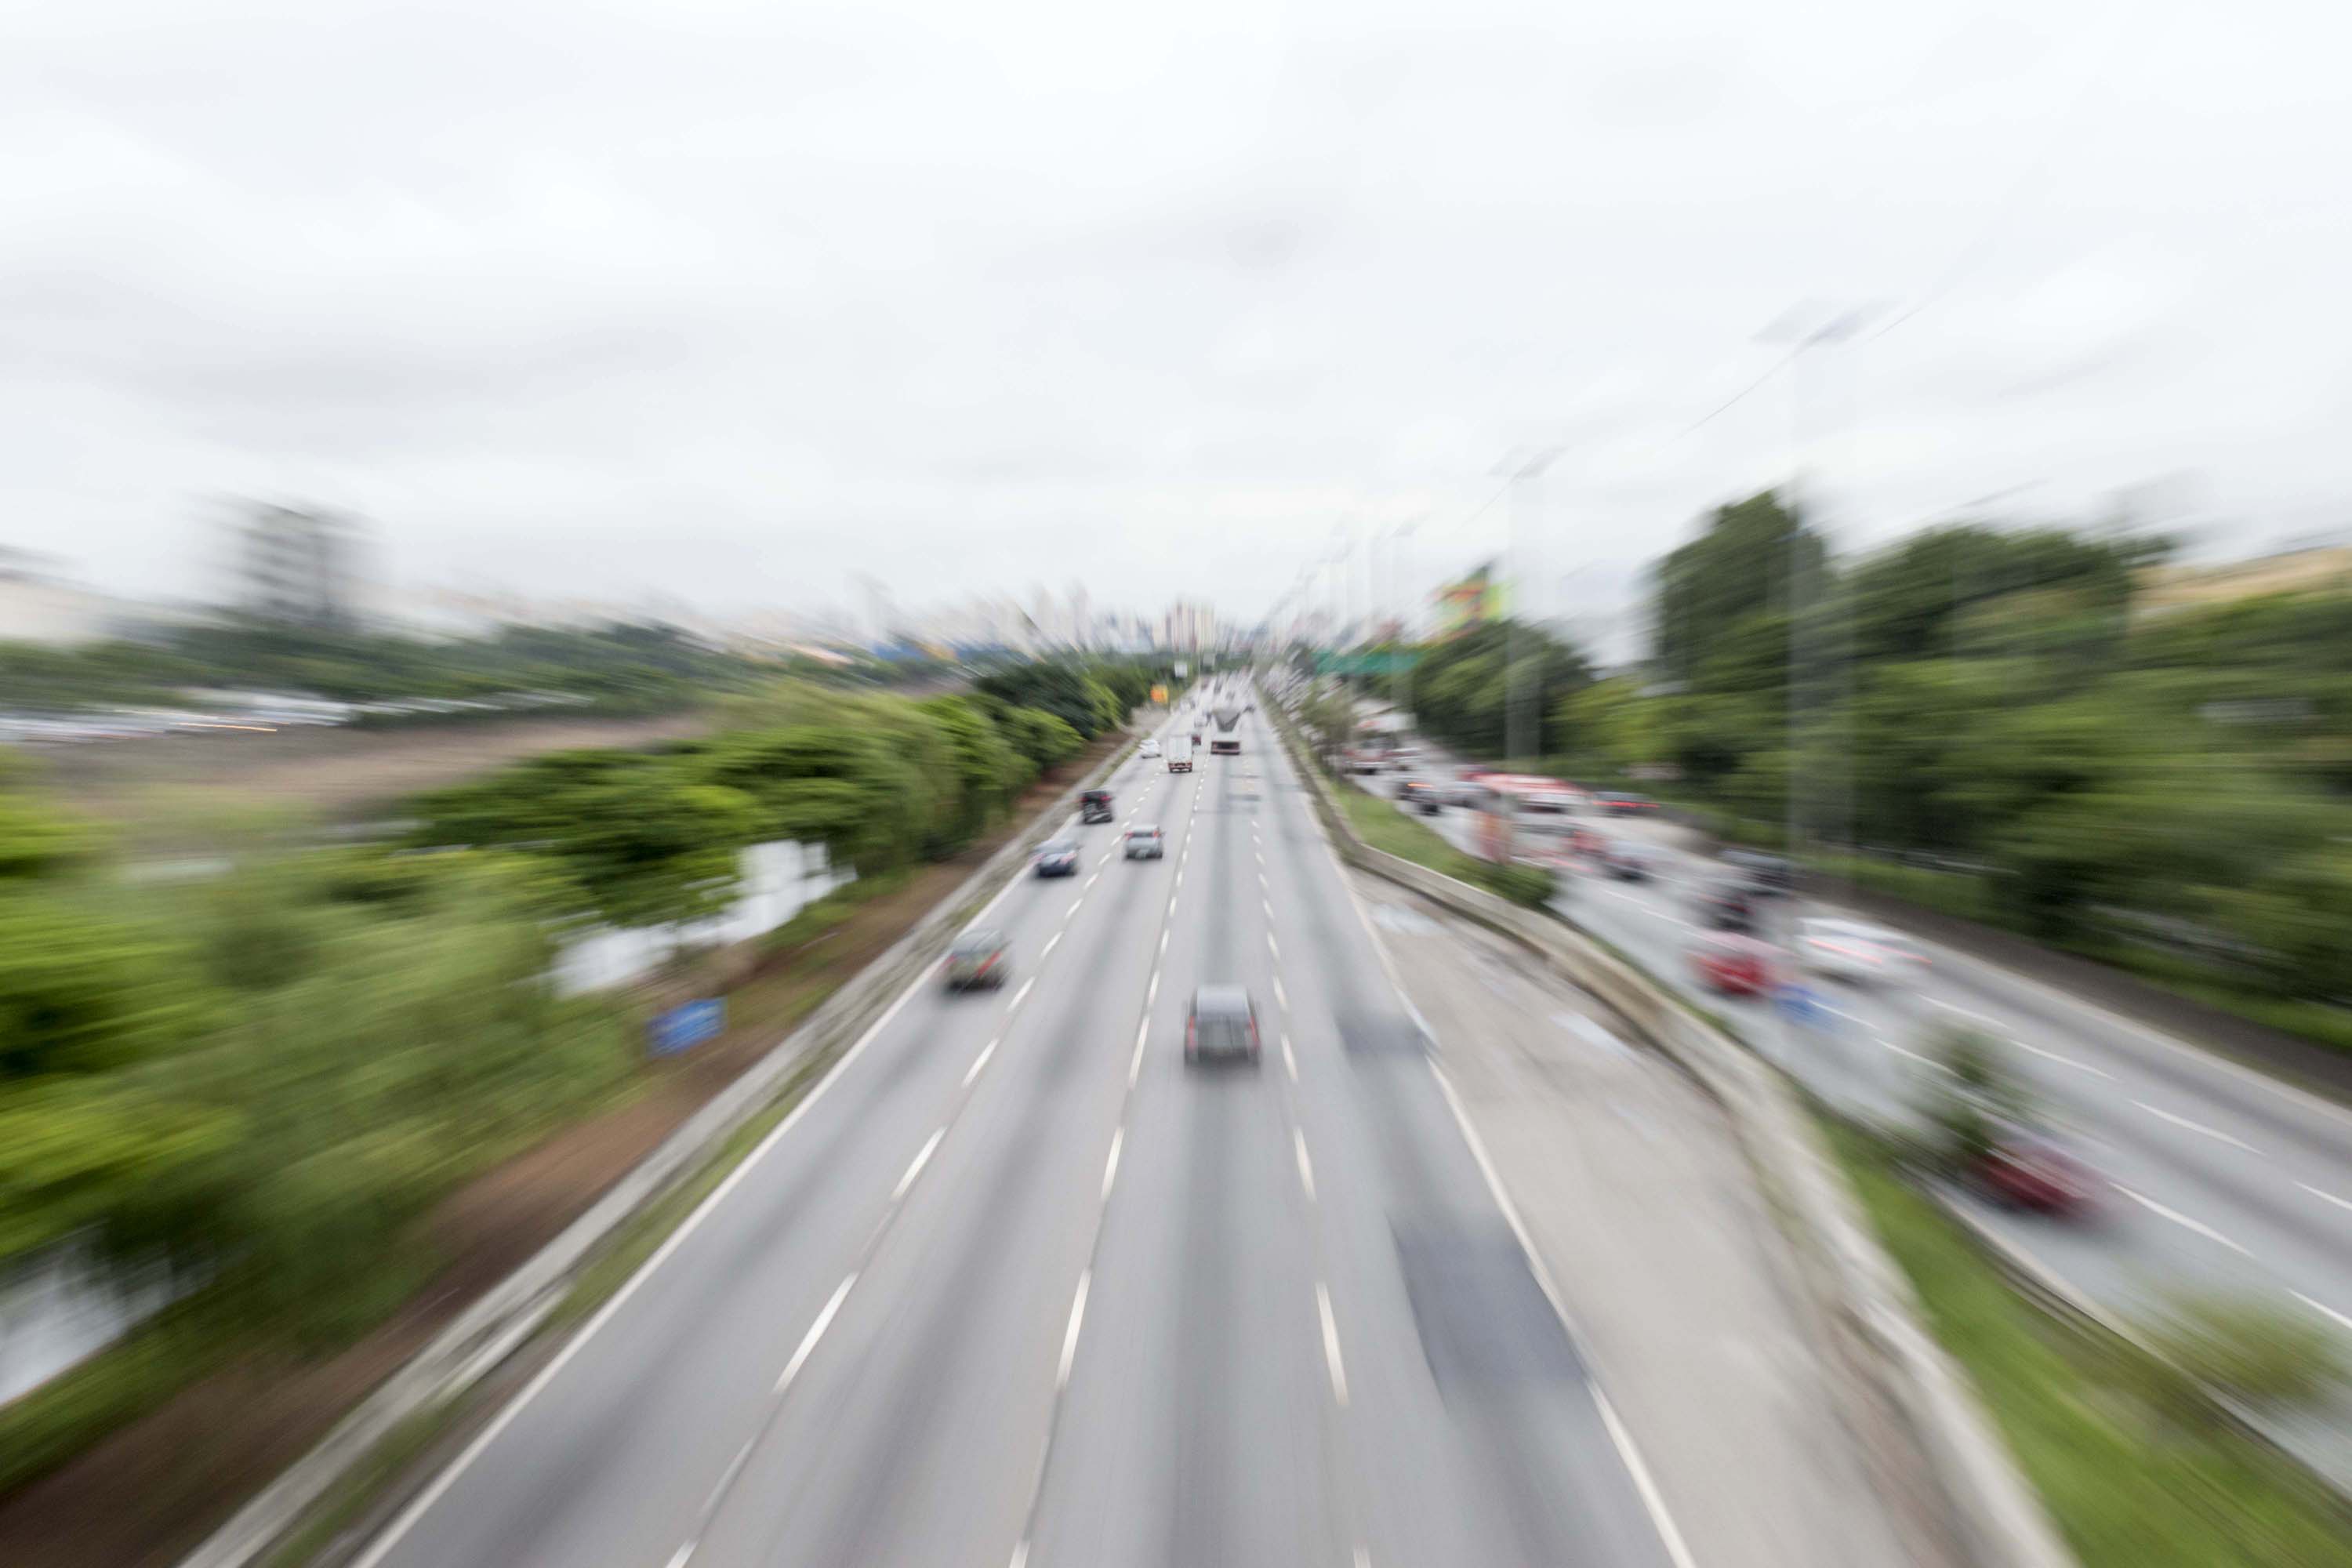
point(688, 1024)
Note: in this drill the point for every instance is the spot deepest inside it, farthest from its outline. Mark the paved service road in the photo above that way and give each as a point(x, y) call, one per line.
point(2212, 1175)
point(1015, 1286)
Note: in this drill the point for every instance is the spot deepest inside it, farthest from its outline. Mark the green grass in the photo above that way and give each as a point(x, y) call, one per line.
point(2130, 1484)
point(1380, 824)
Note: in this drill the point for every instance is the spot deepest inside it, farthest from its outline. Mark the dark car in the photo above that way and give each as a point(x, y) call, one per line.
point(1766, 874)
point(976, 959)
point(1422, 797)
point(1725, 906)
point(1058, 859)
point(1625, 862)
point(1222, 1021)
point(1225, 746)
point(1616, 803)
point(1095, 805)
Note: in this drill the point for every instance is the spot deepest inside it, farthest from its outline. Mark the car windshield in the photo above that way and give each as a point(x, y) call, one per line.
point(977, 944)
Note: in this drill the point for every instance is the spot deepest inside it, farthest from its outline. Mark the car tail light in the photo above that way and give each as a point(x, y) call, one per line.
point(1192, 1032)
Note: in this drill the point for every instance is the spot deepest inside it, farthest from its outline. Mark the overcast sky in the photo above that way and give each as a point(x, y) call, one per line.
point(733, 301)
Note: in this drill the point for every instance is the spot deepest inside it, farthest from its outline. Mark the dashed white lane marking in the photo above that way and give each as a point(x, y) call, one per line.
point(1048, 947)
point(1289, 1062)
point(1964, 1012)
point(1923, 1061)
point(1020, 1556)
point(2062, 1062)
point(1270, 945)
point(1093, 880)
point(1073, 908)
point(2213, 1132)
point(1135, 1063)
point(1281, 999)
point(1110, 1166)
point(683, 1554)
point(1022, 995)
point(2341, 1320)
point(1306, 1165)
point(1151, 994)
point(922, 1158)
point(1331, 1344)
point(1070, 1336)
point(816, 1332)
point(2331, 1197)
point(2177, 1218)
point(1163, 944)
point(1363, 1558)
point(979, 1062)
point(1268, 904)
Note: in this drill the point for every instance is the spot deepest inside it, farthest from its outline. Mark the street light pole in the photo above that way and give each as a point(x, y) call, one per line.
point(1526, 482)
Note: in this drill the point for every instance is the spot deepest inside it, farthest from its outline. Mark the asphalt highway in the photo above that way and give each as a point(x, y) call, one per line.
point(1016, 1285)
point(2210, 1177)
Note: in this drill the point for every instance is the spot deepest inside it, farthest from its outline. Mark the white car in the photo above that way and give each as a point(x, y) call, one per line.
point(1149, 749)
point(1849, 950)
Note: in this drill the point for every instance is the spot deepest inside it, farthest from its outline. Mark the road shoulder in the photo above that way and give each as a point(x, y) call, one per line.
point(1635, 1195)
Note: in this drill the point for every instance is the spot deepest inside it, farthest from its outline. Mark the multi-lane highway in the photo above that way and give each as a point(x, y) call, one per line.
point(1015, 1285)
point(2211, 1175)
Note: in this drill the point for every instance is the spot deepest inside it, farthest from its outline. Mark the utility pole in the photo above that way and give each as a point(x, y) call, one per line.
point(1527, 494)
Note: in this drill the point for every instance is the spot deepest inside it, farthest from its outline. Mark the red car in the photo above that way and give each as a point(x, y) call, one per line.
point(1735, 965)
point(2028, 1170)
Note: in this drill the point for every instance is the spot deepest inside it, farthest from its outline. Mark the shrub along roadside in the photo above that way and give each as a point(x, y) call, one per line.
point(2129, 1483)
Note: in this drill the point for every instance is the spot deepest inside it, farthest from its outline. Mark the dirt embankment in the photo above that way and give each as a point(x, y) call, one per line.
point(339, 775)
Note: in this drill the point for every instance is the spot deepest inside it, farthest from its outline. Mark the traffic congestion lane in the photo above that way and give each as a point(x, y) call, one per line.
point(609, 1453)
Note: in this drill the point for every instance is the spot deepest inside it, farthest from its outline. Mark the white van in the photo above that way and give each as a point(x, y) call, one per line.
point(1179, 753)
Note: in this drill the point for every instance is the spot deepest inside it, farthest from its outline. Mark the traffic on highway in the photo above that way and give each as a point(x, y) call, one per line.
point(1137, 1234)
point(2147, 1167)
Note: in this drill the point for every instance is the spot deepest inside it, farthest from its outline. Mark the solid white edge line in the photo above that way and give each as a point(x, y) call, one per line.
point(392, 1535)
point(1331, 1345)
point(979, 1062)
point(1110, 1166)
point(914, 1167)
point(1306, 1165)
point(1070, 1335)
point(2341, 1320)
point(816, 1331)
point(1648, 1489)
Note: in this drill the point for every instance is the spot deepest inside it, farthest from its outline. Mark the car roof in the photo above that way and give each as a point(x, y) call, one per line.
point(981, 936)
point(1057, 846)
point(1223, 999)
point(1143, 827)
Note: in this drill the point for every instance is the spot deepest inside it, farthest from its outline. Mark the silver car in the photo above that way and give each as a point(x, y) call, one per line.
point(1146, 843)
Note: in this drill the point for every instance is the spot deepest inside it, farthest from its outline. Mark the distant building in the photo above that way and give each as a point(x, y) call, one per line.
point(38, 606)
point(298, 567)
point(1471, 602)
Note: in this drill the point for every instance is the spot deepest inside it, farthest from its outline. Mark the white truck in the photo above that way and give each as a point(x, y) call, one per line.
point(1179, 749)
